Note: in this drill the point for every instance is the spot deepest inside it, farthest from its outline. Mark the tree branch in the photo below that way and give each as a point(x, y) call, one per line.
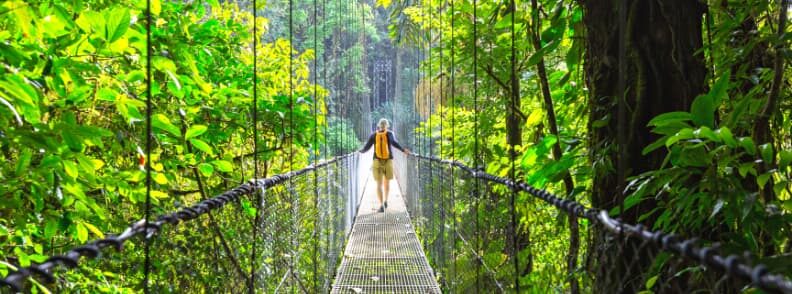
point(488, 70)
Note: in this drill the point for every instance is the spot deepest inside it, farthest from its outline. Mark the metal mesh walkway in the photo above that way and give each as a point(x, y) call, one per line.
point(383, 255)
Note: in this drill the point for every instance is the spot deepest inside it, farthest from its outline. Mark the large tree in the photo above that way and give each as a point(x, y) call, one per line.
point(662, 71)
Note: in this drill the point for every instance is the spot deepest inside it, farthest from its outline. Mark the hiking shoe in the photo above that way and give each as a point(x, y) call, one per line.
point(382, 209)
point(385, 204)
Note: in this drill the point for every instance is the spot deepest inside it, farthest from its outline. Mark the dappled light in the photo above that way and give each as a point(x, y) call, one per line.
point(387, 146)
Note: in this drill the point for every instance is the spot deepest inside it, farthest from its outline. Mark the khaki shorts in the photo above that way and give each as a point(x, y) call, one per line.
point(382, 168)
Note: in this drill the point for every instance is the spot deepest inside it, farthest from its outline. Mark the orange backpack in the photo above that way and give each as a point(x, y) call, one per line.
point(381, 149)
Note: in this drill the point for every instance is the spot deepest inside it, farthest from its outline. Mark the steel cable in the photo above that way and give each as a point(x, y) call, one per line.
point(147, 213)
point(93, 249)
point(731, 265)
point(254, 109)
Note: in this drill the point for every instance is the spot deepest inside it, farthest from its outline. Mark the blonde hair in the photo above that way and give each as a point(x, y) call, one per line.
point(383, 123)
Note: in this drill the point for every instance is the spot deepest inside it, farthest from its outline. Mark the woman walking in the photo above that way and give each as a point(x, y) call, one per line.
point(382, 166)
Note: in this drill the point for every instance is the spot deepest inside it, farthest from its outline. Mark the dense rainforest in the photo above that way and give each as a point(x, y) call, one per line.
point(673, 114)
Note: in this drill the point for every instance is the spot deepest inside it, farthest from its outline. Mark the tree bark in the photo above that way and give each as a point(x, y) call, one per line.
point(663, 73)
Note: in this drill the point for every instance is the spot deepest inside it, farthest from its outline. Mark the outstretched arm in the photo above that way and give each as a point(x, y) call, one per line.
point(396, 144)
point(368, 145)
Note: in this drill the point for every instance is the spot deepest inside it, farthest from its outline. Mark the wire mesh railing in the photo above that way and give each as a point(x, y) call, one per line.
point(462, 216)
point(206, 247)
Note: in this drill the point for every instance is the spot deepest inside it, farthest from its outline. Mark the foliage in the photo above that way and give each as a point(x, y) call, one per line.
point(717, 175)
point(72, 125)
point(341, 138)
point(719, 178)
point(73, 87)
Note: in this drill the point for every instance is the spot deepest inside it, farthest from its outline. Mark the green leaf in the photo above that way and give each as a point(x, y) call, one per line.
point(223, 166)
point(203, 146)
point(683, 134)
point(50, 229)
point(745, 168)
point(762, 179)
point(249, 209)
point(38, 258)
point(719, 91)
point(779, 186)
point(670, 117)
point(767, 152)
point(117, 22)
point(748, 144)
point(784, 158)
point(727, 136)
point(206, 169)
point(24, 260)
point(162, 122)
point(163, 64)
point(23, 162)
point(787, 205)
point(703, 111)
point(651, 282)
point(70, 168)
point(81, 232)
point(704, 106)
point(195, 131)
point(24, 97)
point(706, 133)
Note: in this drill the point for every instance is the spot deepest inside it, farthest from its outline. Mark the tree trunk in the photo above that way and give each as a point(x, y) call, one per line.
point(663, 73)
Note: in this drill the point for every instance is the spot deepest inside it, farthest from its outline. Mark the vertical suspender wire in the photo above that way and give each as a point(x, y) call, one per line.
point(513, 154)
point(345, 85)
point(475, 142)
point(326, 186)
point(429, 124)
point(621, 111)
point(453, 158)
point(324, 79)
point(337, 208)
point(315, 151)
point(337, 107)
point(295, 218)
point(441, 223)
point(254, 109)
point(340, 80)
point(147, 212)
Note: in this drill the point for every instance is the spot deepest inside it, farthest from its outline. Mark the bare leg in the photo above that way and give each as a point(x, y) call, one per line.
point(386, 186)
point(379, 191)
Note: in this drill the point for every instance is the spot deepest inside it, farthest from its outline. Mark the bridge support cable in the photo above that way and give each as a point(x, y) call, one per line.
point(254, 109)
point(515, 97)
point(476, 185)
point(453, 105)
point(682, 265)
point(147, 159)
point(179, 239)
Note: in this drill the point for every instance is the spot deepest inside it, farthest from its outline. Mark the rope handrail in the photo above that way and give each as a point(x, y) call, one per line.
point(92, 249)
point(758, 274)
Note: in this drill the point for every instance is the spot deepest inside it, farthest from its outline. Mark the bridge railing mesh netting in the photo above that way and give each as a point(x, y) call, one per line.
point(207, 247)
point(463, 217)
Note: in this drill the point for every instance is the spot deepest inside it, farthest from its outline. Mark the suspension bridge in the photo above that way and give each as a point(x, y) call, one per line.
point(450, 226)
point(384, 252)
